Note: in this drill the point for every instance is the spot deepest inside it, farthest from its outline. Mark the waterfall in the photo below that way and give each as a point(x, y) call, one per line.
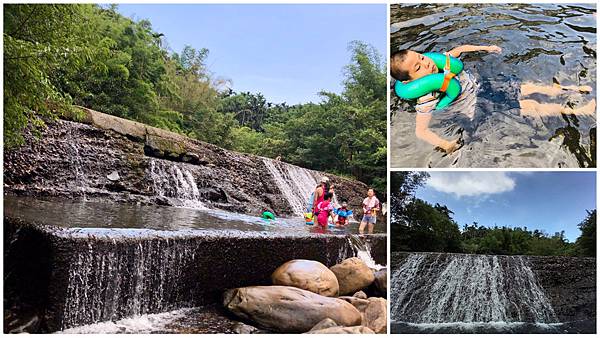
point(109, 281)
point(362, 250)
point(80, 177)
point(448, 288)
point(173, 181)
point(295, 183)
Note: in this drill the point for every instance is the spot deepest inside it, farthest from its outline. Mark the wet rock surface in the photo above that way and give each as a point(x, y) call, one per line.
point(154, 166)
point(570, 282)
point(288, 309)
point(353, 275)
point(307, 275)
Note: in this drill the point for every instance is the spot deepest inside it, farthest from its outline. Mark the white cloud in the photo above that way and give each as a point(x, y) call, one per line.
point(474, 183)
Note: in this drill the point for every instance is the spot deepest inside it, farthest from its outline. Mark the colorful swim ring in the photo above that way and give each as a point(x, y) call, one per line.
point(267, 215)
point(434, 82)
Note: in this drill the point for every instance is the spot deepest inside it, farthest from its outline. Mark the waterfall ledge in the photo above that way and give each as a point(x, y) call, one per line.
point(72, 276)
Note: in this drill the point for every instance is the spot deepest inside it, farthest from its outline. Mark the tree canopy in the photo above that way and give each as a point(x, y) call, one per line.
point(420, 226)
point(57, 56)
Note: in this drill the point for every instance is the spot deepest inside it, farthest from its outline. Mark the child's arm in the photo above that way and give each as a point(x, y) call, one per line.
point(470, 48)
point(424, 133)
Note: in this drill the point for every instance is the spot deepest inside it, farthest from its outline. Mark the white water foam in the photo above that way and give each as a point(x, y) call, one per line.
point(177, 183)
point(362, 250)
point(439, 288)
point(147, 323)
point(295, 183)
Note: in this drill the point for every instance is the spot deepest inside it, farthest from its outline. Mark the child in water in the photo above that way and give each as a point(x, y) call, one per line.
point(324, 209)
point(370, 208)
point(342, 213)
point(407, 65)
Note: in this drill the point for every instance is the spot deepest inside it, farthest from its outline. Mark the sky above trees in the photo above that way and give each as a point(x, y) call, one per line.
point(549, 201)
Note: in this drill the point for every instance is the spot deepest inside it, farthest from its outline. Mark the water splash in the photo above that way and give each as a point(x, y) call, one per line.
point(176, 183)
point(362, 250)
point(148, 323)
point(445, 288)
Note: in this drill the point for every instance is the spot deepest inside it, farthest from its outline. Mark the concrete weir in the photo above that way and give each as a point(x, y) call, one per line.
point(72, 276)
point(463, 293)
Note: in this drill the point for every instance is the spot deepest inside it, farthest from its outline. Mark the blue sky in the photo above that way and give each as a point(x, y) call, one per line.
point(549, 201)
point(287, 52)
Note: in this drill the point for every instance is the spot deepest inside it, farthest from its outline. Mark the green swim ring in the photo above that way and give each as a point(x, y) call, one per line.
point(268, 215)
point(430, 83)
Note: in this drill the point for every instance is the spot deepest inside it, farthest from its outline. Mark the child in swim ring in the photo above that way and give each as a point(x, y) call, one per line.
point(407, 65)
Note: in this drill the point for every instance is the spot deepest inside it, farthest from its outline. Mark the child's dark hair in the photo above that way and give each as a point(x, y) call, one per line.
point(344, 201)
point(327, 196)
point(395, 59)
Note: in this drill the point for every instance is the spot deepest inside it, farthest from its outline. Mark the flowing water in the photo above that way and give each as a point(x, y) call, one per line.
point(468, 293)
point(542, 44)
point(112, 215)
point(295, 183)
point(176, 183)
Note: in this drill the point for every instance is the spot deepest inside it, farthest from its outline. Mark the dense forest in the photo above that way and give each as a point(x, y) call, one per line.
point(416, 225)
point(60, 56)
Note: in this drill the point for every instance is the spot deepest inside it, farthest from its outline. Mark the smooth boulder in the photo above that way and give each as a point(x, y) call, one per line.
point(287, 308)
point(375, 315)
point(341, 329)
point(307, 275)
point(352, 275)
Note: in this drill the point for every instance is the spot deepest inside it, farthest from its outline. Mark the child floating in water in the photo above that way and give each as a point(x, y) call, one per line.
point(324, 209)
point(343, 213)
point(407, 65)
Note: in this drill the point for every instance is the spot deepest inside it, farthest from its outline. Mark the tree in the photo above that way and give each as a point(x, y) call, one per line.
point(41, 42)
point(586, 243)
point(403, 186)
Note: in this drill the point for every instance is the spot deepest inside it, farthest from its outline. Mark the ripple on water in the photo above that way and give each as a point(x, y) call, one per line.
point(542, 43)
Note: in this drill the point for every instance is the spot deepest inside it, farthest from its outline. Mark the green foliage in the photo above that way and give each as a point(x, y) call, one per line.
point(40, 43)
point(419, 226)
point(586, 243)
point(343, 133)
point(90, 55)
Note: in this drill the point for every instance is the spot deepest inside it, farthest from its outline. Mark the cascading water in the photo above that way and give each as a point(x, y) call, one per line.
point(173, 181)
point(362, 250)
point(126, 281)
point(295, 183)
point(453, 288)
point(80, 179)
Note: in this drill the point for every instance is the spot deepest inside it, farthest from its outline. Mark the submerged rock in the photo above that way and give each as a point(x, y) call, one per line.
point(288, 309)
point(307, 275)
point(352, 275)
